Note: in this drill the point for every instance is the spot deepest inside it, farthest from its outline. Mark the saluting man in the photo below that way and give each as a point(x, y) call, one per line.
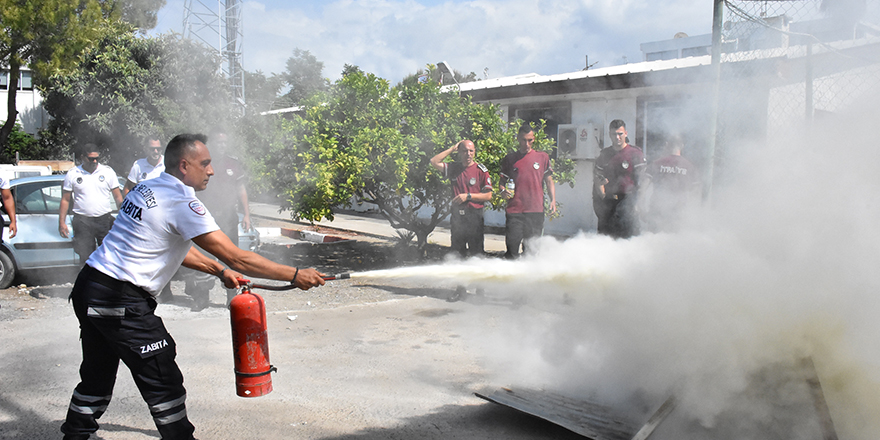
point(471, 188)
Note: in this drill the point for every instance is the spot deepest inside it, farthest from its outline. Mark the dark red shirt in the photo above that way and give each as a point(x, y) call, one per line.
point(221, 195)
point(622, 169)
point(473, 179)
point(528, 172)
point(674, 178)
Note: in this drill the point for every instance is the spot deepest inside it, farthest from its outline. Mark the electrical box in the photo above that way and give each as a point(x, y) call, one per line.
point(578, 141)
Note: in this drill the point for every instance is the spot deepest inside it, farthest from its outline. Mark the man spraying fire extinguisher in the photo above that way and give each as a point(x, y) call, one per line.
point(114, 294)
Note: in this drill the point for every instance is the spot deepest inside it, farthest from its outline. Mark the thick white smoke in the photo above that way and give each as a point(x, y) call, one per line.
point(780, 267)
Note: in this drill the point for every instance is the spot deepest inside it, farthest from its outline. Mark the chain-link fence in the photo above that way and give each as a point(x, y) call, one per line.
point(784, 63)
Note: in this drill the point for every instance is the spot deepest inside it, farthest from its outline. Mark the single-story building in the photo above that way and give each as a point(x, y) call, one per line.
point(763, 83)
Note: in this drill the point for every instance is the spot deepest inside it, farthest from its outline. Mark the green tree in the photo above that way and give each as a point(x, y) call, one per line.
point(139, 13)
point(125, 86)
point(262, 91)
point(303, 76)
point(20, 142)
point(366, 141)
point(432, 74)
point(44, 35)
point(48, 35)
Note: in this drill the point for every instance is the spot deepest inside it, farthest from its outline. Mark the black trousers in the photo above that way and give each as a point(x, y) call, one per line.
point(89, 233)
point(467, 231)
point(520, 228)
point(117, 322)
point(622, 219)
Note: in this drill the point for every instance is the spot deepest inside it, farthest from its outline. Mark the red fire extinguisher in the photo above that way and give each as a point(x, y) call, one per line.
point(250, 343)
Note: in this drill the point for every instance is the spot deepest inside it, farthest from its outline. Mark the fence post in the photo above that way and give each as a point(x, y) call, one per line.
point(716, 86)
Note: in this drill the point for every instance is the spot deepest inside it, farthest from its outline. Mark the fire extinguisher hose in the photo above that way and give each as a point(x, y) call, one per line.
point(244, 282)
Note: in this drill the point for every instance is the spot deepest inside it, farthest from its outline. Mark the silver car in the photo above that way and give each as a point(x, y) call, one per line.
point(37, 245)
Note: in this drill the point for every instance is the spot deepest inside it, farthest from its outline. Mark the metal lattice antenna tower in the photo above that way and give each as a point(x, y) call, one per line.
point(220, 29)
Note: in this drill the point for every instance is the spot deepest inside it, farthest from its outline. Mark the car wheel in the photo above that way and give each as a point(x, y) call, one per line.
point(7, 270)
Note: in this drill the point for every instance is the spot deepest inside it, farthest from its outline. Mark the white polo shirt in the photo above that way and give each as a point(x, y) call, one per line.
point(4, 184)
point(92, 192)
point(142, 170)
point(152, 233)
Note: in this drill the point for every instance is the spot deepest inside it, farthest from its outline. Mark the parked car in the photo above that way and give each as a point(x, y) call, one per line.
point(37, 245)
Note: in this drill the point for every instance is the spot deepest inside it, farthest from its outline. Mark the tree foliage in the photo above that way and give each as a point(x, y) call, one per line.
point(368, 142)
point(124, 87)
point(20, 142)
point(303, 76)
point(262, 91)
point(44, 35)
point(48, 35)
point(432, 74)
point(139, 13)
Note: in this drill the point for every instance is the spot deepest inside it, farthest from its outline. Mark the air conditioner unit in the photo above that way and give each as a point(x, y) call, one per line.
point(578, 141)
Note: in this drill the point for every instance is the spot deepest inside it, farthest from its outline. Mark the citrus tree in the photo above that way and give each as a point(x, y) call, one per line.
point(365, 141)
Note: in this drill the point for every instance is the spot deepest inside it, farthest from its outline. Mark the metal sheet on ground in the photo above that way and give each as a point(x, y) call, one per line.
point(588, 419)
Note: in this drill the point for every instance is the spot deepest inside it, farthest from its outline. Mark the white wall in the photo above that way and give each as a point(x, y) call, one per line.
point(31, 114)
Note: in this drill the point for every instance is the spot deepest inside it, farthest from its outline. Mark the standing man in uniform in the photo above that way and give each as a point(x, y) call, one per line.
point(529, 171)
point(471, 188)
point(9, 207)
point(147, 168)
point(89, 187)
point(224, 198)
point(673, 185)
point(617, 173)
point(113, 297)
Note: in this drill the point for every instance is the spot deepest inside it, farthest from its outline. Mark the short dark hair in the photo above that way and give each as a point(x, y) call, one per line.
point(88, 148)
point(526, 127)
point(179, 146)
point(617, 123)
point(150, 137)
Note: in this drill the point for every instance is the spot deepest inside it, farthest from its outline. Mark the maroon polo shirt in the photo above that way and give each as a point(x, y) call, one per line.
point(528, 172)
point(473, 179)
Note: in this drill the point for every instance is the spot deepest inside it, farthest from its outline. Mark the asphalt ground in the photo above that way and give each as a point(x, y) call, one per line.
point(356, 359)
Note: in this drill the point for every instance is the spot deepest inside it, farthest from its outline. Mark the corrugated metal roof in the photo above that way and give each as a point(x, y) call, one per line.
point(533, 78)
point(661, 65)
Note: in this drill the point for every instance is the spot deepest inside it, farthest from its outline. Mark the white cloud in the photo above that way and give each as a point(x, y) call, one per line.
point(393, 38)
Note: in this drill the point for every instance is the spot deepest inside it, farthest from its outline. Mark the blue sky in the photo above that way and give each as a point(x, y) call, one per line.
point(393, 38)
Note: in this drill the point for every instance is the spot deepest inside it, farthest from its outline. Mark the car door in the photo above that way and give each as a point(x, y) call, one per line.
point(38, 243)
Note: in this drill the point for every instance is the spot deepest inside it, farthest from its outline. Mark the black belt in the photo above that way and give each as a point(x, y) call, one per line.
point(109, 214)
point(112, 283)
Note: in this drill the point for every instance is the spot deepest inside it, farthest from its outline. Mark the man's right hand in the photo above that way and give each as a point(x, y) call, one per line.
point(62, 229)
point(308, 278)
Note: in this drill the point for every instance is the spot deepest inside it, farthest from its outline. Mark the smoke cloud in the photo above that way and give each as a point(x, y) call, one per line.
point(780, 266)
